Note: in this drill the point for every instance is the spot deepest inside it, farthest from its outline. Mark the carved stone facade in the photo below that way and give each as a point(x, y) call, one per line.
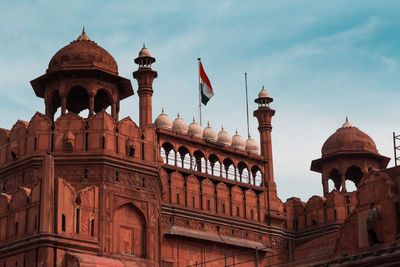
point(100, 191)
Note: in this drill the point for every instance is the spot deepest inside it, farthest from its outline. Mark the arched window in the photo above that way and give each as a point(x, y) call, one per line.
point(214, 165)
point(256, 175)
point(199, 161)
point(229, 169)
point(167, 153)
point(184, 157)
point(243, 172)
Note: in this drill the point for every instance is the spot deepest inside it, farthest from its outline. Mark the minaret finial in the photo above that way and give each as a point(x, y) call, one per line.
point(83, 36)
point(347, 123)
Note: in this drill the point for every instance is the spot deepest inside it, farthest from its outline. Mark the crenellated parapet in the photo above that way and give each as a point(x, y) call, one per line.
point(71, 133)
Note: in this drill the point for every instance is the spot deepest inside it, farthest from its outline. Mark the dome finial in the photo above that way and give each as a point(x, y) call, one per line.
point(347, 123)
point(162, 110)
point(83, 36)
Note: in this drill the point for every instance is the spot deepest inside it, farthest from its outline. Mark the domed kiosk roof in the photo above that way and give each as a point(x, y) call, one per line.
point(83, 56)
point(83, 53)
point(348, 139)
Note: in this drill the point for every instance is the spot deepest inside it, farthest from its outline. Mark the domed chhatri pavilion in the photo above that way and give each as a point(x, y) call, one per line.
point(105, 191)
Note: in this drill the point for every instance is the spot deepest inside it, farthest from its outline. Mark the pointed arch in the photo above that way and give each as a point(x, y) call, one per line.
point(208, 195)
point(177, 188)
point(223, 199)
point(237, 202)
point(193, 192)
point(129, 231)
point(184, 157)
point(167, 152)
point(251, 205)
point(199, 161)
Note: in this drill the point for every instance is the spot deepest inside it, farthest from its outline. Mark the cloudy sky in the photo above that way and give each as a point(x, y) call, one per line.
point(319, 60)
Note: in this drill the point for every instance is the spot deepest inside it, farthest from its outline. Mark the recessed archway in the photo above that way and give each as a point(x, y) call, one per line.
point(77, 99)
point(102, 100)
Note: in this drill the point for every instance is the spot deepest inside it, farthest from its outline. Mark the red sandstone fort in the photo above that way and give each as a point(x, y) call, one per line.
point(105, 191)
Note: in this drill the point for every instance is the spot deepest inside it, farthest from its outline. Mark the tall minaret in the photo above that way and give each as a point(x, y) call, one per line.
point(145, 76)
point(264, 115)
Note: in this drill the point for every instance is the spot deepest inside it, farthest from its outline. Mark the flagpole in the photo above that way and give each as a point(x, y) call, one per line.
point(247, 105)
point(199, 59)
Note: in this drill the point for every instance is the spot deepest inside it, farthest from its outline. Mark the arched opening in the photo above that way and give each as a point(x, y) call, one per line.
point(184, 157)
point(214, 165)
point(129, 231)
point(335, 176)
point(77, 99)
point(257, 176)
point(199, 161)
point(243, 172)
point(229, 169)
point(355, 175)
point(54, 106)
point(167, 153)
point(102, 100)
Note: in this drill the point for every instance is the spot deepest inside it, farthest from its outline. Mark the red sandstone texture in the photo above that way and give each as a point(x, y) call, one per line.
point(100, 191)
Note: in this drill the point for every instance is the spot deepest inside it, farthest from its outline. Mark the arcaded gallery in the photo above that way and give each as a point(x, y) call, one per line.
point(101, 190)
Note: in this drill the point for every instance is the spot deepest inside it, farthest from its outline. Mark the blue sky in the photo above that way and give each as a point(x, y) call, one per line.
point(319, 60)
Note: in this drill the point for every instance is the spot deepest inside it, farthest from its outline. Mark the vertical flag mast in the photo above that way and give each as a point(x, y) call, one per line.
point(205, 88)
point(199, 60)
point(247, 105)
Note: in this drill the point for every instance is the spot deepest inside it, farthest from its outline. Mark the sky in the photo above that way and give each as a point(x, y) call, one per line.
point(319, 60)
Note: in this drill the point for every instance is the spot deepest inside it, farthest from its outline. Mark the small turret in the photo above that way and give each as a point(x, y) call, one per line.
point(145, 76)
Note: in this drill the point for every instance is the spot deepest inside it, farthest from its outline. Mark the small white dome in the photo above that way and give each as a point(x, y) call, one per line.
point(251, 146)
point(263, 93)
point(209, 133)
point(224, 137)
point(179, 125)
point(144, 52)
point(238, 141)
point(163, 121)
point(195, 129)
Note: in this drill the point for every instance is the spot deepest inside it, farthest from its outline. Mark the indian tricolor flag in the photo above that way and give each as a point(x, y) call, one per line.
point(206, 90)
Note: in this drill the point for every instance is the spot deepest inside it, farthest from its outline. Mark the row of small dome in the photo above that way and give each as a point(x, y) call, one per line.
point(223, 137)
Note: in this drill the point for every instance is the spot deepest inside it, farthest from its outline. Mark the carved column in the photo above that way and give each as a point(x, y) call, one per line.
point(63, 105)
point(91, 105)
point(343, 180)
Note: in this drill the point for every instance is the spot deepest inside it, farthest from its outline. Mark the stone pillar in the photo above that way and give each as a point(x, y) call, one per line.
point(91, 105)
point(49, 111)
point(63, 105)
point(343, 181)
point(325, 185)
point(114, 111)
